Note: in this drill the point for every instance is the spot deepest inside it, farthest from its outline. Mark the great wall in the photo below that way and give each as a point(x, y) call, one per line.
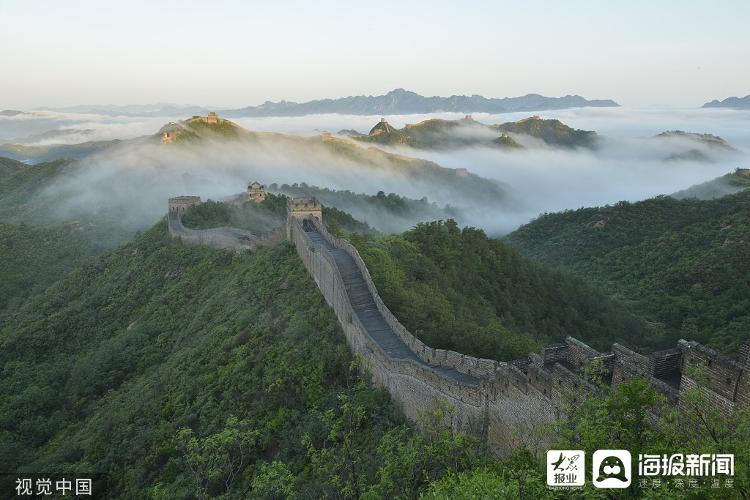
point(502, 402)
point(229, 238)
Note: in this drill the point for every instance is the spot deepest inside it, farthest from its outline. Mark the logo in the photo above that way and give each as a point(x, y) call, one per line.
point(686, 470)
point(611, 468)
point(565, 468)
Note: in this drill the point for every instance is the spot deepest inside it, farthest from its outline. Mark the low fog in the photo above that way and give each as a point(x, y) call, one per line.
point(135, 180)
point(629, 164)
point(547, 180)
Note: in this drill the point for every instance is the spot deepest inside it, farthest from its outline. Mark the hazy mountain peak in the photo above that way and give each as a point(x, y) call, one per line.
point(710, 140)
point(730, 102)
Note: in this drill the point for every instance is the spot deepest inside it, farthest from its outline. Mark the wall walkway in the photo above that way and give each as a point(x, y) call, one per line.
point(228, 238)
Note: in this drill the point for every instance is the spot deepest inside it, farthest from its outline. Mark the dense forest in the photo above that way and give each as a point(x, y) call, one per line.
point(183, 371)
point(35, 257)
point(458, 289)
point(683, 265)
point(19, 185)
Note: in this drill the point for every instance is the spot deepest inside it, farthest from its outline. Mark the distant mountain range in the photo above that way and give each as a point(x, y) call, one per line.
point(398, 101)
point(402, 101)
point(730, 102)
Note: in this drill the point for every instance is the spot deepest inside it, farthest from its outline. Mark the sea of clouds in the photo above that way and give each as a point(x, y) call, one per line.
point(629, 165)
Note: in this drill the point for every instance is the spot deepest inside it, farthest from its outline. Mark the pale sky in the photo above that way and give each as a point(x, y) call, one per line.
point(238, 53)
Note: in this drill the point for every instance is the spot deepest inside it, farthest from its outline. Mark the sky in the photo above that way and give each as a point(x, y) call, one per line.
point(239, 53)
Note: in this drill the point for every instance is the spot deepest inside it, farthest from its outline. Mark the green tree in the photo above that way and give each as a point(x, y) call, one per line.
point(215, 462)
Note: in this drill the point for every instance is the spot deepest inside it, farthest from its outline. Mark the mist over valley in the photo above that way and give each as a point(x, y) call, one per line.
point(629, 156)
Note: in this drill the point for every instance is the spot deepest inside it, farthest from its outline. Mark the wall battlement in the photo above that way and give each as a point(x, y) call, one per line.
point(211, 118)
point(180, 204)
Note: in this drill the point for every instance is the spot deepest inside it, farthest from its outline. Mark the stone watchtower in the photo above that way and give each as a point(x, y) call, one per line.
point(212, 118)
point(169, 136)
point(179, 204)
point(303, 208)
point(256, 192)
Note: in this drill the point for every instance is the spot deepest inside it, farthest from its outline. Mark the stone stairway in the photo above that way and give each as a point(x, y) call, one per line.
point(368, 313)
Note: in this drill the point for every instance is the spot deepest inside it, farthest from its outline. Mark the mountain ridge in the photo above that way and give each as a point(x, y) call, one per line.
point(731, 183)
point(682, 264)
point(730, 103)
point(437, 133)
point(397, 101)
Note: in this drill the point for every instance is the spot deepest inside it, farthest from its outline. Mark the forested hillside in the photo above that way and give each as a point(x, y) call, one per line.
point(20, 183)
point(736, 181)
point(182, 371)
point(452, 134)
point(186, 372)
point(684, 265)
point(33, 258)
point(458, 289)
point(28, 195)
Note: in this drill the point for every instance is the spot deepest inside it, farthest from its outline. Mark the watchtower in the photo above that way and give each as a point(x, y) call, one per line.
point(179, 204)
point(169, 136)
point(212, 118)
point(256, 192)
point(303, 208)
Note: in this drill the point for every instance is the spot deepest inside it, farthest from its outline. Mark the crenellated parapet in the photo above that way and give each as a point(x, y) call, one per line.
point(724, 381)
point(180, 204)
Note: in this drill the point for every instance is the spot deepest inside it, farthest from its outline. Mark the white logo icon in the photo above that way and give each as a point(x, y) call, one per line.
point(565, 468)
point(611, 468)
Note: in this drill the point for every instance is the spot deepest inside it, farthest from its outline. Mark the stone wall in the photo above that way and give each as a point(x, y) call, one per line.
point(465, 364)
point(228, 238)
point(722, 380)
point(416, 389)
